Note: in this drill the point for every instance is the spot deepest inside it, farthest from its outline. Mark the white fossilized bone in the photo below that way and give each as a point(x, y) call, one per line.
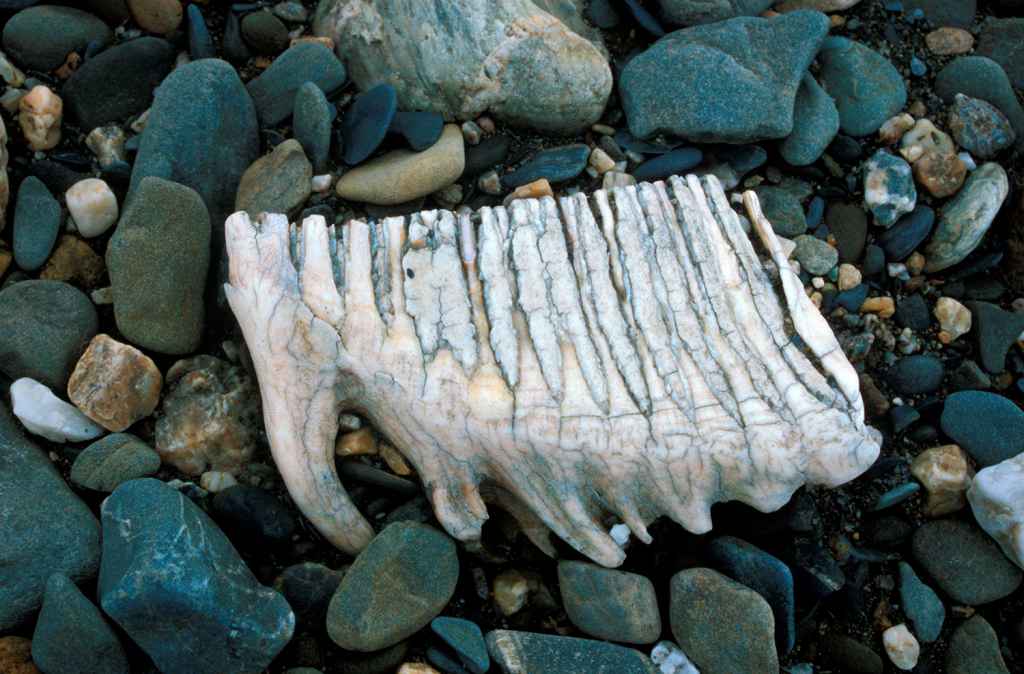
point(620, 354)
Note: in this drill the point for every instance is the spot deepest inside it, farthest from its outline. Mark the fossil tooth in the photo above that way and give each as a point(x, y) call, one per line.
point(620, 354)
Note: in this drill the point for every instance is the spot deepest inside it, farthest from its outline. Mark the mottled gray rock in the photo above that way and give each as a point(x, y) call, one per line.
point(693, 12)
point(311, 123)
point(158, 259)
point(610, 604)
point(201, 133)
point(276, 183)
point(965, 562)
point(959, 13)
point(44, 328)
point(974, 649)
point(117, 458)
point(921, 605)
point(866, 87)
point(530, 653)
point(274, 90)
point(744, 73)
point(461, 59)
point(174, 583)
point(980, 127)
point(889, 190)
point(966, 217)
point(721, 625)
point(981, 77)
point(46, 528)
point(71, 635)
point(815, 255)
point(37, 220)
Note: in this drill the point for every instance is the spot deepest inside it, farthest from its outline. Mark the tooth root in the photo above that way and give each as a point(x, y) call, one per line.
point(381, 270)
point(499, 291)
point(243, 254)
point(318, 289)
point(808, 321)
point(457, 328)
point(588, 536)
point(363, 324)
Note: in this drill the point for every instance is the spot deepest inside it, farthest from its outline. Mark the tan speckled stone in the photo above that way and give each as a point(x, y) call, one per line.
point(114, 384)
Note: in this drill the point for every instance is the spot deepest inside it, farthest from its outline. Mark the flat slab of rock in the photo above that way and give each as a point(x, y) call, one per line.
point(176, 585)
point(112, 460)
point(987, 425)
point(400, 582)
point(47, 529)
point(745, 71)
point(997, 499)
point(279, 182)
point(158, 259)
point(274, 90)
point(41, 37)
point(530, 653)
point(473, 56)
point(965, 563)
point(403, 175)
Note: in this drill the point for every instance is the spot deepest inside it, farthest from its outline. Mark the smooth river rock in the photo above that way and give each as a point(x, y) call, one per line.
point(997, 499)
point(966, 217)
point(866, 87)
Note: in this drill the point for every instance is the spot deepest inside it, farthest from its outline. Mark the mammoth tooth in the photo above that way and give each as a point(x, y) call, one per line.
point(624, 354)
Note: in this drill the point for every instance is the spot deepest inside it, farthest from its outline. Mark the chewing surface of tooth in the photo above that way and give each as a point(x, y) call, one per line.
point(622, 355)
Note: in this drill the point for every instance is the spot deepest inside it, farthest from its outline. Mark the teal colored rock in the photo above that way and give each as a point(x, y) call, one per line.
point(311, 124)
point(274, 90)
point(308, 587)
point(556, 164)
point(965, 562)
point(694, 12)
point(46, 528)
point(202, 133)
point(995, 332)
point(531, 653)
point(610, 604)
point(44, 329)
point(981, 77)
point(734, 81)
point(866, 87)
point(921, 605)
point(974, 649)
point(783, 210)
point(465, 638)
point(815, 255)
point(980, 127)
point(400, 582)
point(158, 259)
point(40, 38)
point(916, 374)
point(988, 426)
point(72, 636)
point(721, 625)
point(176, 585)
point(37, 220)
point(112, 460)
point(815, 124)
point(966, 217)
point(889, 190)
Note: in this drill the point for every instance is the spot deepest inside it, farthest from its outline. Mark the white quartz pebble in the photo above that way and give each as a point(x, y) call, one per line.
point(670, 659)
point(901, 646)
point(46, 415)
point(215, 481)
point(620, 534)
point(92, 205)
point(997, 499)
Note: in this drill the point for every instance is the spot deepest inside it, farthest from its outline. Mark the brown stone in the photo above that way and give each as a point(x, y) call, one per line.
point(40, 113)
point(947, 41)
point(279, 182)
point(535, 190)
point(5, 260)
point(396, 462)
point(114, 384)
point(16, 656)
point(941, 174)
point(211, 416)
point(73, 261)
point(883, 306)
point(945, 474)
point(360, 442)
point(876, 404)
point(157, 16)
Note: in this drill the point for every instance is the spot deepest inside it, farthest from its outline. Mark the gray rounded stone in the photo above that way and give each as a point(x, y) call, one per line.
point(158, 259)
point(974, 649)
point(113, 460)
point(400, 582)
point(311, 124)
point(276, 183)
point(610, 604)
point(921, 605)
point(41, 37)
point(964, 562)
point(981, 77)
point(44, 328)
point(529, 653)
point(866, 87)
point(815, 255)
point(37, 220)
point(1001, 40)
point(815, 124)
point(722, 626)
point(967, 217)
point(783, 210)
point(980, 127)
point(274, 90)
point(694, 12)
point(71, 635)
point(264, 32)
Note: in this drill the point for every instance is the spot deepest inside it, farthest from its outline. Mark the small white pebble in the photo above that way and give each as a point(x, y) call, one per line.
point(471, 132)
point(490, 183)
point(671, 659)
point(954, 318)
point(46, 415)
point(102, 296)
point(898, 270)
point(901, 646)
point(620, 534)
point(349, 422)
point(600, 161)
point(818, 282)
point(215, 481)
point(322, 183)
point(968, 160)
point(92, 205)
point(849, 276)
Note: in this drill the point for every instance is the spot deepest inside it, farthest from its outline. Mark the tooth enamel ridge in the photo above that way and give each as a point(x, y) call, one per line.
point(612, 357)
